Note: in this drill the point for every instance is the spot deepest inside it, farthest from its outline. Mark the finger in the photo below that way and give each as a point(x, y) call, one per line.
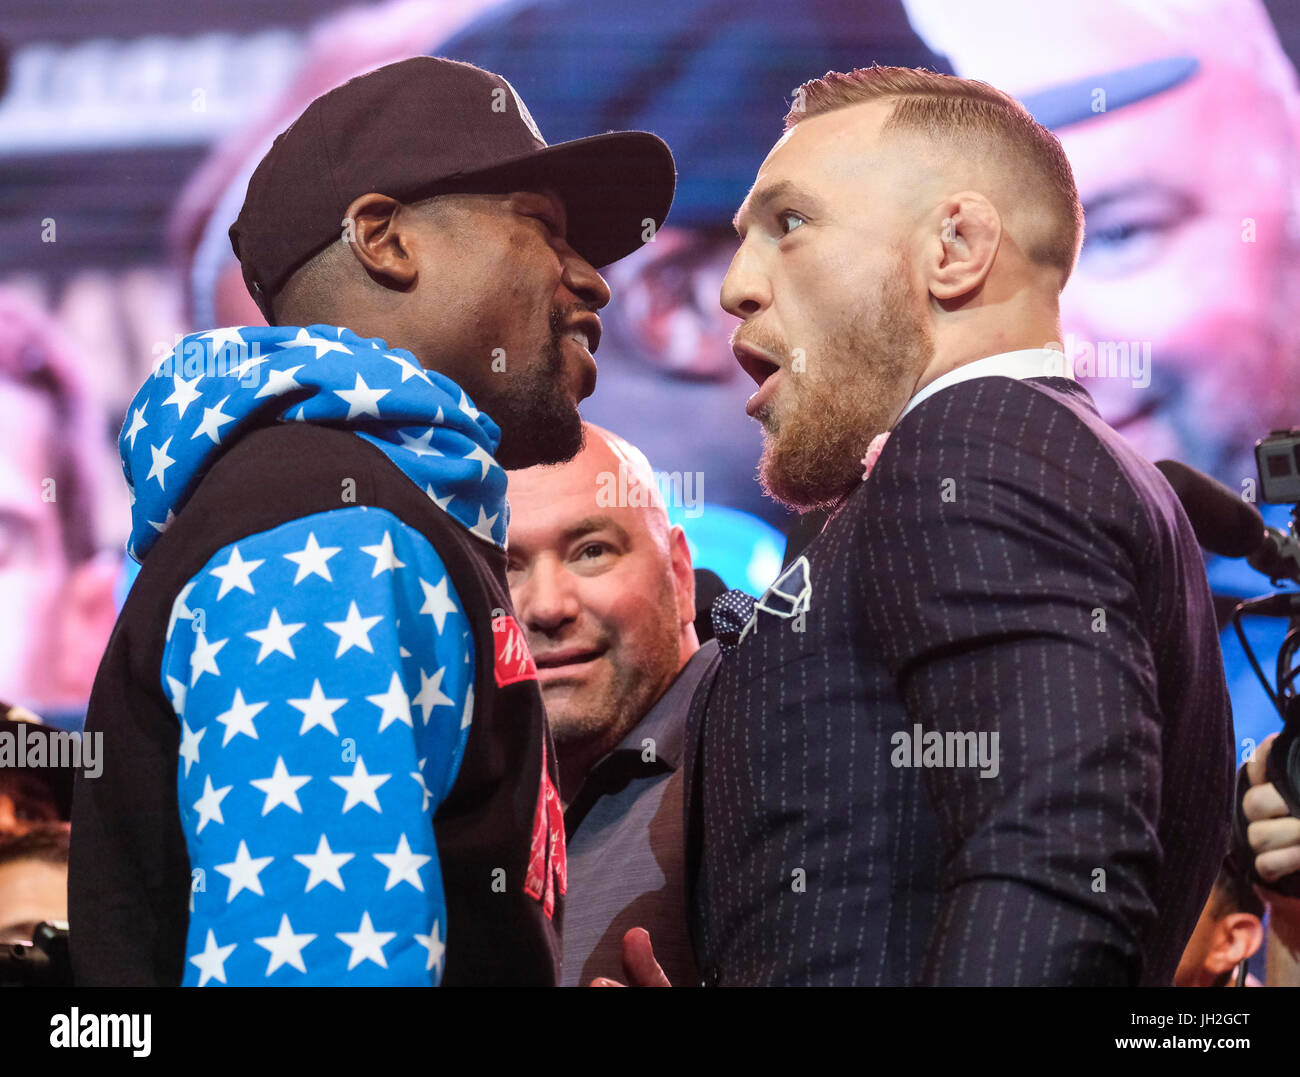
point(1263, 802)
point(639, 960)
point(1273, 834)
point(605, 981)
point(1273, 865)
point(1258, 758)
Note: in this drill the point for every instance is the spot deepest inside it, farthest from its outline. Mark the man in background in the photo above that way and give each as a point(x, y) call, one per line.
point(1271, 861)
point(31, 796)
point(35, 801)
point(1227, 934)
point(33, 881)
point(604, 589)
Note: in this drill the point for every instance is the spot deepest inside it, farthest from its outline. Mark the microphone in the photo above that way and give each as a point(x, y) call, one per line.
point(1223, 522)
point(1226, 525)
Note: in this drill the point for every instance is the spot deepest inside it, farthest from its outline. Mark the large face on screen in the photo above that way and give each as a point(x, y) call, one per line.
point(1187, 258)
point(1192, 251)
point(33, 569)
point(55, 615)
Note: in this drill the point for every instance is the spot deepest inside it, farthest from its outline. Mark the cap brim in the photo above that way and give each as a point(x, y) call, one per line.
point(617, 189)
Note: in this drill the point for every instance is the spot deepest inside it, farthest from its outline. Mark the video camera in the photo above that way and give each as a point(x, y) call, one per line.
point(1278, 459)
point(1230, 526)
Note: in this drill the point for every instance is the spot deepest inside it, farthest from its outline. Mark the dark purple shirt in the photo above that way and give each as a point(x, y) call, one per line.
point(625, 846)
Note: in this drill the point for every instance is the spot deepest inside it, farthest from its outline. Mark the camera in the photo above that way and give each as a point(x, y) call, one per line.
point(43, 962)
point(1277, 457)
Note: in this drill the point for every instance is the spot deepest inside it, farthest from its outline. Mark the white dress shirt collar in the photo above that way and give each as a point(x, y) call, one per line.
point(1027, 363)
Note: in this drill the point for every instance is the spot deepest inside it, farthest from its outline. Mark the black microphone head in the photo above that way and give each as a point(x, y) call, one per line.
point(1224, 524)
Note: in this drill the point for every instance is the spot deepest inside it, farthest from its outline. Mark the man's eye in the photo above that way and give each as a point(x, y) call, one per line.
point(592, 550)
point(1123, 247)
point(1124, 232)
point(786, 218)
point(1128, 233)
point(548, 218)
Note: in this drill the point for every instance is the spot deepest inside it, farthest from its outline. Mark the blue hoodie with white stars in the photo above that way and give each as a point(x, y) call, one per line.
point(322, 671)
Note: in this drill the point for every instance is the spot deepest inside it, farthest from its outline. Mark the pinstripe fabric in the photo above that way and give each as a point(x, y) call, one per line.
point(1011, 567)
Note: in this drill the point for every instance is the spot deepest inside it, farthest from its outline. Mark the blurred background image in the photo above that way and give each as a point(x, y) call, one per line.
point(127, 137)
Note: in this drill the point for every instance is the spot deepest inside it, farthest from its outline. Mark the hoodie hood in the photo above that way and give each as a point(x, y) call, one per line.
point(215, 387)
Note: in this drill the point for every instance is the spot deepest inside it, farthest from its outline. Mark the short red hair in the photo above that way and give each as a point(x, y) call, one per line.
point(978, 117)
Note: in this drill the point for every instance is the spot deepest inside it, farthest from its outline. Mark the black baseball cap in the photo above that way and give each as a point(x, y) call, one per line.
point(427, 125)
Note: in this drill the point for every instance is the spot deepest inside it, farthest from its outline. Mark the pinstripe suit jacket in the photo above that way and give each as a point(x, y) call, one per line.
point(1011, 566)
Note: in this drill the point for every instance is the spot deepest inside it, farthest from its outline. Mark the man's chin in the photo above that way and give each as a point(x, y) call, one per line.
point(554, 439)
point(801, 477)
point(573, 720)
point(798, 495)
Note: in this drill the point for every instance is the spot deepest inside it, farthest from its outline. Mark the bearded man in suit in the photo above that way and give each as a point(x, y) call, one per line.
point(978, 733)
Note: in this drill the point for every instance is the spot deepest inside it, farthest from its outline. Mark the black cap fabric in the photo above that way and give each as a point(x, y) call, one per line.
point(418, 126)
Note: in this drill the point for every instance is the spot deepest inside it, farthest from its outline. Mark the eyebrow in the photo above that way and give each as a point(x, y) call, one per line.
point(550, 194)
point(586, 526)
point(592, 523)
point(761, 198)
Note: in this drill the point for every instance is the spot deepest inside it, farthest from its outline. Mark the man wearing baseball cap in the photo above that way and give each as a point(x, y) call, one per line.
point(325, 754)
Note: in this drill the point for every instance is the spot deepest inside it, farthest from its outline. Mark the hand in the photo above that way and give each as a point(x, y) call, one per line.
point(1274, 834)
point(639, 964)
point(1274, 837)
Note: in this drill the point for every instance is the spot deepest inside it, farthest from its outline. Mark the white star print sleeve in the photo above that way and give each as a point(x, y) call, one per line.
point(322, 673)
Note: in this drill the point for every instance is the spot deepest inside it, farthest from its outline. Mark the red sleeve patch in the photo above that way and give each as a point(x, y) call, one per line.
point(513, 661)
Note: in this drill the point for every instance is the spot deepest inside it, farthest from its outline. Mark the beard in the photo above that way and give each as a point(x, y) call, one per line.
point(848, 393)
point(538, 420)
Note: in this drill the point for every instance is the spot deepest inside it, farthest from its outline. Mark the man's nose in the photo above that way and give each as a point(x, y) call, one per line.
point(581, 278)
point(548, 601)
point(745, 289)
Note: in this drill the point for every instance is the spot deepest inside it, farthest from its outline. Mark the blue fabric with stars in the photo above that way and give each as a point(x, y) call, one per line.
point(321, 671)
point(213, 386)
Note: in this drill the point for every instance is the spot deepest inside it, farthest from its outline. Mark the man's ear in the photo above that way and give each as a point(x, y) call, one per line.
point(1236, 937)
point(374, 227)
point(683, 575)
point(88, 611)
point(967, 231)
